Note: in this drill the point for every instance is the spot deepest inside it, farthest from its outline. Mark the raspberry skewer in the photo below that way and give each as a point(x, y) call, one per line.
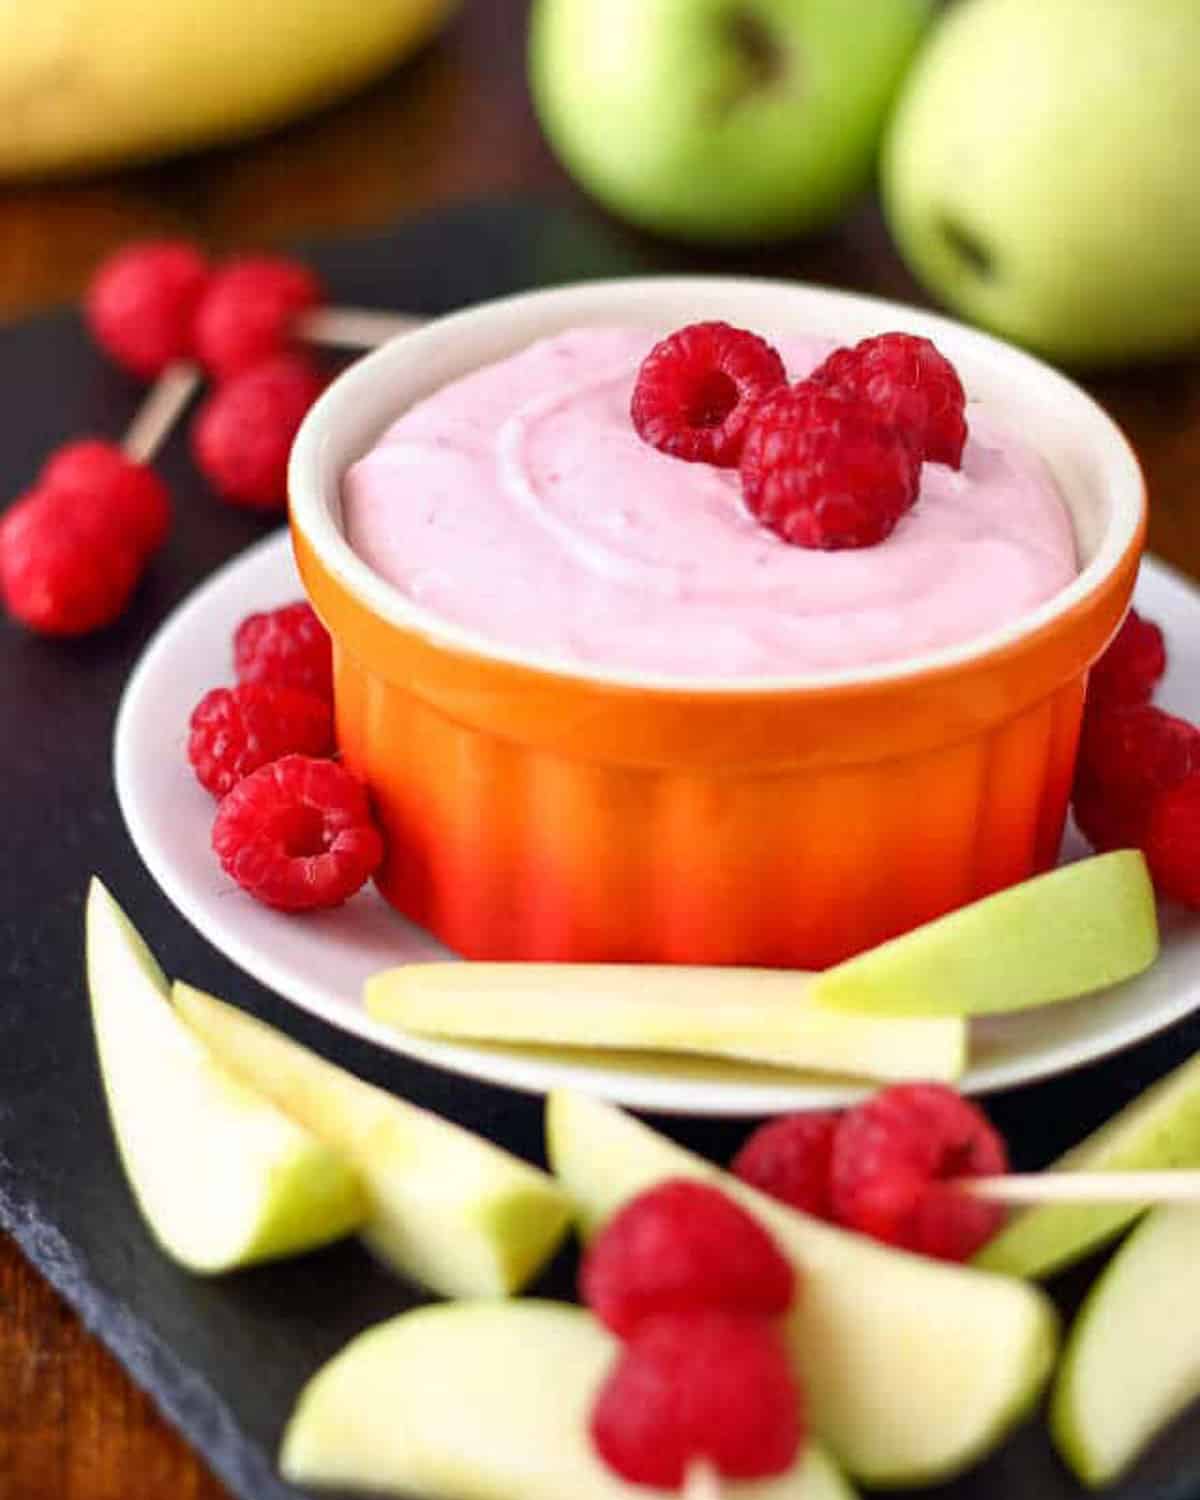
point(158, 302)
point(1174, 1185)
point(75, 547)
point(702, 1483)
point(163, 313)
point(259, 307)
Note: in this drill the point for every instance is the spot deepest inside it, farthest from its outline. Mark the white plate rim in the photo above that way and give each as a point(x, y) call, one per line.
point(658, 1093)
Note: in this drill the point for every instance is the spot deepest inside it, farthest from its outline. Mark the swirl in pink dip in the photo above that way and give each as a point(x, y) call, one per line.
point(520, 503)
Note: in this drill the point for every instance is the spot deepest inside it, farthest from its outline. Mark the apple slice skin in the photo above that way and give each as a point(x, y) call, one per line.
point(258, 1186)
point(445, 1207)
point(1132, 1361)
point(914, 1368)
point(481, 1401)
point(1159, 1129)
point(758, 1015)
point(977, 960)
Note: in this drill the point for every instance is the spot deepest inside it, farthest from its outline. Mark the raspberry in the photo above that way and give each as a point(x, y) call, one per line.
point(790, 1159)
point(1126, 758)
point(236, 730)
point(287, 645)
point(244, 432)
point(680, 1247)
point(822, 471)
point(892, 1157)
point(695, 391)
point(298, 834)
point(1105, 822)
point(1173, 842)
point(129, 495)
point(61, 571)
point(1130, 669)
point(703, 1386)
point(249, 309)
point(141, 304)
point(912, 387)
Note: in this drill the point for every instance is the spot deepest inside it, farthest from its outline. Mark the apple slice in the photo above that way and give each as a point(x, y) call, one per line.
point(1159, 1129)
point(481, 1401)
point(1078, 929)
point(761, 1015)
point(1132, 1361)
point(446, 1207)
point(914, 1368)
point(222, 1178)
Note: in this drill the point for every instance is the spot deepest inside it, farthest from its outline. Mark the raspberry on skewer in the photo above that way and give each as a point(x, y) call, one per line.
point(141, 304)
point(678, 1248)
point(257, 307)
point(157, 304)
point(73, 550)
point(243, 434)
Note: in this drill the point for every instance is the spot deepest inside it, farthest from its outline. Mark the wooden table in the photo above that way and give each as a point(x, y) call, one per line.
point(453, 123)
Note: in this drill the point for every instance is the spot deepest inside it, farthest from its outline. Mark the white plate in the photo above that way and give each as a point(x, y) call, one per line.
point(320, 961)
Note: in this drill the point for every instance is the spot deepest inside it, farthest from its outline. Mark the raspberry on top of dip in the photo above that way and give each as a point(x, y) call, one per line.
point(520, 503)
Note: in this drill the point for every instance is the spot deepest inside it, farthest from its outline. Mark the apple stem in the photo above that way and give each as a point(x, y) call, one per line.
point(353, 327)
point(702, 1482)
point(164, 404)
point(1086, 1187)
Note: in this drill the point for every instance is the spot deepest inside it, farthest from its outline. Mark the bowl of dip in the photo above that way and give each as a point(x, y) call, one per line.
point(604, 715)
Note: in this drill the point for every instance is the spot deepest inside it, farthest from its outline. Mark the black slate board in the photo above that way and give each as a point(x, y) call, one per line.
point(225, 1359)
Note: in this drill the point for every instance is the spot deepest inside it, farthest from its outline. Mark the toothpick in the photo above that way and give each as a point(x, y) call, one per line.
point(168, 397)
point(162, 407)
point(353, 327)
point(1086, 1187)
point(702, 1482)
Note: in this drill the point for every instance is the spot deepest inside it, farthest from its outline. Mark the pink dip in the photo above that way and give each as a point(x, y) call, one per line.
point(520, 503)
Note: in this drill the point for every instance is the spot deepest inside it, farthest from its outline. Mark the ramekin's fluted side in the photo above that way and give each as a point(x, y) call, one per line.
point(505, 851)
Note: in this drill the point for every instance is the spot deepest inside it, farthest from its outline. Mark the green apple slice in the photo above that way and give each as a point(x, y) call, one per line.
point(222, 1177)
point(1159, 1129)
point(481, 1401)
point(1132, 1362)
point(446, 1207)
point(759, 1015)
point(1078, 929)
point(914, 1368)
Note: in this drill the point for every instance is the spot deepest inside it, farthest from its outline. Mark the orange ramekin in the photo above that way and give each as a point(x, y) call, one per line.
point(542, 809)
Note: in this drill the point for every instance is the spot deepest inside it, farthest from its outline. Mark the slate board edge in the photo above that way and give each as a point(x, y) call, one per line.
point(176, 1390)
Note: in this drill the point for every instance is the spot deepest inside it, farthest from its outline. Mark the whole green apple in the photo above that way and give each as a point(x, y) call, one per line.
point(1042, 173)
point(721, 120)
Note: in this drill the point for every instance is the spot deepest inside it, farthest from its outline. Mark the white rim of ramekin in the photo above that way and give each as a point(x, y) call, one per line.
point(620, 301)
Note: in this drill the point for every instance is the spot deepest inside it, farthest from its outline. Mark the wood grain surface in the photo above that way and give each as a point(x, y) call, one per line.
point(453, 123)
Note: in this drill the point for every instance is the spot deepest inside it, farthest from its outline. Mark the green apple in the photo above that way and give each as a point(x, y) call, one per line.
point(1040, 173)
point(1080, 928)
point(760, 1015)
point(914, 1368)
point(1160, 1129)
point(445, 1206)
point(481, 1401)
point(721, 120)
point(1132, 1362)
point(223, 1179)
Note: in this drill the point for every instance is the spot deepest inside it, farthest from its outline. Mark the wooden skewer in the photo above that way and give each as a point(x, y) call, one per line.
point(162, 407)
point(1086, 1187)
point(353, 327)
point(168, 397)
point(702, 1482)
